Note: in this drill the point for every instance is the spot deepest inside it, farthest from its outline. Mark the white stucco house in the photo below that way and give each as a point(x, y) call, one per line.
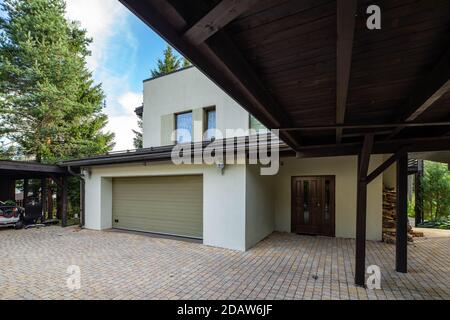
point(233, 207)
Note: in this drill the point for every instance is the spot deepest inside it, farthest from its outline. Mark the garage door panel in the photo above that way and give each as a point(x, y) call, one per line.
point(140, 224)
point(169, 205)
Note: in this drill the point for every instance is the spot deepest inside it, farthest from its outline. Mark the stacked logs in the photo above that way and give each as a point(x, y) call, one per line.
point(390, 217)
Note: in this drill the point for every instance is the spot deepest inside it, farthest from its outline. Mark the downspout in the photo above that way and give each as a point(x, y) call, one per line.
point(82, 178)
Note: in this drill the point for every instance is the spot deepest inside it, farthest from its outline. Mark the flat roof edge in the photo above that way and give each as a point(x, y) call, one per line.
point(168, 74)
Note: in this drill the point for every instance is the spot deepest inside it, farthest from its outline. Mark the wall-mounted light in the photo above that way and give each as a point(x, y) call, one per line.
point(221, 167)
point(86, 173)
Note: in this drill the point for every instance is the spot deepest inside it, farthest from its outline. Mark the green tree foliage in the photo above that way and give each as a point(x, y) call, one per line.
point(50, 107)
point(137, 140)
point(169, 63)
point(436, 190)
point(186, 63)
point(7, 151)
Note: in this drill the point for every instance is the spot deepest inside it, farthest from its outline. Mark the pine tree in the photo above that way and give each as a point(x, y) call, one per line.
point(138, 141)
point(168, 64)
point(50, 107)
point(186, 63)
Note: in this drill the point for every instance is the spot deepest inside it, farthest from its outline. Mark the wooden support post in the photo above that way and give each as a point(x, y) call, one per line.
point(58, 186)
point(44, 196)
point(402, 213)
point(64, 201)
point(361, 207)
point(360, 252)
point(25, 191)
point(50, 203)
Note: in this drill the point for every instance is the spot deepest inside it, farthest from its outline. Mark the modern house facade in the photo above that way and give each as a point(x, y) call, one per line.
point(232, 207)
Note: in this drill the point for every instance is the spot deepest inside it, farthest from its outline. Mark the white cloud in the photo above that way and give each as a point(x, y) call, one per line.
point(130, 101)
point(122, 126)
point(104, 20)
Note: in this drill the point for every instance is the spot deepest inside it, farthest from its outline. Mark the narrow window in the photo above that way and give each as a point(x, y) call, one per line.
point(210, 123)
point(327, 201)
point(306, 202)
point(183, 122)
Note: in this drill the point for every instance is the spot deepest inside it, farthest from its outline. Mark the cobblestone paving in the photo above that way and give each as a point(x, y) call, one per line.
point(33, 265)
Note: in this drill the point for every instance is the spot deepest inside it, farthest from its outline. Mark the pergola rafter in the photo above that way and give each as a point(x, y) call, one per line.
point(346, 11)
point(433, 87)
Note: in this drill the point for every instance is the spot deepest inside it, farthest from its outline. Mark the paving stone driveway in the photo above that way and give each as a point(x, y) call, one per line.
point(33, 265)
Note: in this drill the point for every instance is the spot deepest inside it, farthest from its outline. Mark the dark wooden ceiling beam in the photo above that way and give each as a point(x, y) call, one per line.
point(365, 155)
point(346, 11)
point(222, 14)
point(361, 134)
point(386, 164)
point(380, 147)
point(223, 62)
point(373, 127)
point(432, 88)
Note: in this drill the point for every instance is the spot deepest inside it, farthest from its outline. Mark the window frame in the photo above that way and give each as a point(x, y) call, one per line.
point(206, 110)
point(176, 114)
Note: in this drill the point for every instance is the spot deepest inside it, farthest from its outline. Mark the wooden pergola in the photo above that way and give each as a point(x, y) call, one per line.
point(313, 70)
point(11, 171)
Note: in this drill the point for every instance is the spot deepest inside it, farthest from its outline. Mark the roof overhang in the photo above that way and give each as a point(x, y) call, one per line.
point(165, 153)
point(301, 64)
point(28, 170)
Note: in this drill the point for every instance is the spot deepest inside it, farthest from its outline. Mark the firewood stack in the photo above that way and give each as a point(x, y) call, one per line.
point(389, 217)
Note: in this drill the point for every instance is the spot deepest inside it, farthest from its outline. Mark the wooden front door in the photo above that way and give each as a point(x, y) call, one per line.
point(313, 205)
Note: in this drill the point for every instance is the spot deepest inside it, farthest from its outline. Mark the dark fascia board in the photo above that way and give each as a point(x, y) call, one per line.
point(168, 74)
point(164, 153)
point(32, 167)
point(155, 154)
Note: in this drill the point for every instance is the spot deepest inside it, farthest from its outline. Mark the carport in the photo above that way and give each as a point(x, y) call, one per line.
point(12, 171)
point(329, 83)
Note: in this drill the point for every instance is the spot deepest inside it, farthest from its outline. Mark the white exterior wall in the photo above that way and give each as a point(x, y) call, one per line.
point(344, 169)
point(184, 91)
point(223, 198)
point(390, 174)
point(241, 207)
point(260, 206)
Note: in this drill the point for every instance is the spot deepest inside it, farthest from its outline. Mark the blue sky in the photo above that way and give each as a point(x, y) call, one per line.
point(123, 53)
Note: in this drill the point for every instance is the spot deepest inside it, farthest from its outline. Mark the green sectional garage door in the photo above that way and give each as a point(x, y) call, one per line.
point(168, 205)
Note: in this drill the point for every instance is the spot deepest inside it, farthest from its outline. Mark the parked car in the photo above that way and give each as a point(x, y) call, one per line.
point(11, 215)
